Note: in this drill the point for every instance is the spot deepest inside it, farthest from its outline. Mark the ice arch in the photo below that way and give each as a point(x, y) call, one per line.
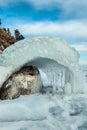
point(29, 49)
point(52, 72)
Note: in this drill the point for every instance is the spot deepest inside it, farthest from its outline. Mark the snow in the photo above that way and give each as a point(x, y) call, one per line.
point(43, 112)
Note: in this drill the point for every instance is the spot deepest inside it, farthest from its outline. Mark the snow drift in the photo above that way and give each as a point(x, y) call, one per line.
point(53, 57)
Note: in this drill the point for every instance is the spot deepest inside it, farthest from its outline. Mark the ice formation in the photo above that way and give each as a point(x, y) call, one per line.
point(56, 60)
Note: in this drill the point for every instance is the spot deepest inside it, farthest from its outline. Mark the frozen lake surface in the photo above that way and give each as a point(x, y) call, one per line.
point(44, 112)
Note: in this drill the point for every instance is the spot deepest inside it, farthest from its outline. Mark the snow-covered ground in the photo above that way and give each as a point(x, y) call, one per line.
point(44, 112)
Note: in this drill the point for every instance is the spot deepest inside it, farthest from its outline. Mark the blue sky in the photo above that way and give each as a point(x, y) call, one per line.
point(64, 19)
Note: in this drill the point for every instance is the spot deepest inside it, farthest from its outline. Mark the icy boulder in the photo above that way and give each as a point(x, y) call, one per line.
point(56, 60)
point(26, 81)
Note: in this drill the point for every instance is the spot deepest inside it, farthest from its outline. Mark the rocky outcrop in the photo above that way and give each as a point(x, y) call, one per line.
point(18, 35)
point(24, 82)
point(5, 39)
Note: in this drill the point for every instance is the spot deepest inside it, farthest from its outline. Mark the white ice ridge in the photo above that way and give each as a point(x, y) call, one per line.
point(51, 55)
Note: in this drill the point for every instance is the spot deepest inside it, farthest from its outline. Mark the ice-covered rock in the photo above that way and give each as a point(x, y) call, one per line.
point(24, 82)
point(53, 56)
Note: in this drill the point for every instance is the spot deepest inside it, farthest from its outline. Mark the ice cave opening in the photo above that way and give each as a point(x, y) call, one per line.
point(55, 77)
point(40, 75)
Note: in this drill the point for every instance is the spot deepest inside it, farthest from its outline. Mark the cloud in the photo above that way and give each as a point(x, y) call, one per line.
point(4, 3)
point(77, 8)
point(62, 3)
point(82, 48)
point(71, 30)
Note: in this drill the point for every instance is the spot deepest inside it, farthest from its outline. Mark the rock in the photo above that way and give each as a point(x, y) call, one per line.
point(18, 35)
point(5, 39)
point(24, 82)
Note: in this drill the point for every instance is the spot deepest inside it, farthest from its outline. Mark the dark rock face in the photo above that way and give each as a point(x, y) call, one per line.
point(18, 35)
point(26, 81)
point(29, 70)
